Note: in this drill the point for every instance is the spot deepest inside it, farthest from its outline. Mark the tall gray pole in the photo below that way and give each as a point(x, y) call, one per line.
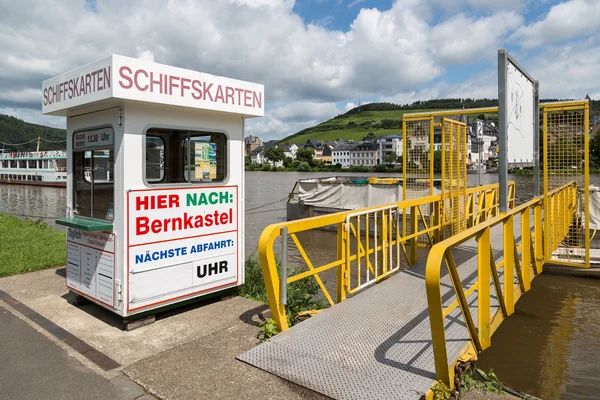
point(502, 128)
point(479, 145)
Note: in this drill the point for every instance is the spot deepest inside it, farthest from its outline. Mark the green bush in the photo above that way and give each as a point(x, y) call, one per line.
point(303, 167)
point(380, 168)
point(302, 295)
point(266, 167)
point(358, 168)
point(254, 285)
point(267, 330)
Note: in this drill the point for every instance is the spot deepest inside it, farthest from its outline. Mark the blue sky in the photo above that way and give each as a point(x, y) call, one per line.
point(315, 57)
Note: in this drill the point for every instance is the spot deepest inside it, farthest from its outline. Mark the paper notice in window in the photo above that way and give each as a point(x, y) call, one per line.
point(205, 161)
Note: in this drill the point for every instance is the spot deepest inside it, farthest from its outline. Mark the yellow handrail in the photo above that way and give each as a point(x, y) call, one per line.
point(390, 236)
point(488, 268)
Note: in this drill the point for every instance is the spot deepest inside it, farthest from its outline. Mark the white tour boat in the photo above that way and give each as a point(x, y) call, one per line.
point(48, 168)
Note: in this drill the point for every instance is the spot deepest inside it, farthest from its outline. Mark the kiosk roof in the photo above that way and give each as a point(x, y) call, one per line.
point(115, 79)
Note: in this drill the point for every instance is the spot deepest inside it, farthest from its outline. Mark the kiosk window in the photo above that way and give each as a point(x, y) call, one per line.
point(155, 159)
point(181, 156)
point(94, 183)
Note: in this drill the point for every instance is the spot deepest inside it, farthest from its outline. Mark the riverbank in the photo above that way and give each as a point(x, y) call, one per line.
point(529, 171)
point(305, 167)
point(29, 246)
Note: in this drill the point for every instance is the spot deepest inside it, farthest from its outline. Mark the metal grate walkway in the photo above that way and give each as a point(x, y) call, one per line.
point(377, 344)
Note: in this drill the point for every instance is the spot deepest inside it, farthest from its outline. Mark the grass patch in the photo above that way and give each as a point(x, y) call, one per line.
point(28, 246)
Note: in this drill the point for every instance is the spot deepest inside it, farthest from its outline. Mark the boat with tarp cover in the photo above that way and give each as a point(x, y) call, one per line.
point(319, 196)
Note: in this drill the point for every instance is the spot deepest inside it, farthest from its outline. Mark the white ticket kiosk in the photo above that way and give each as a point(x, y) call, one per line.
point(155, 181)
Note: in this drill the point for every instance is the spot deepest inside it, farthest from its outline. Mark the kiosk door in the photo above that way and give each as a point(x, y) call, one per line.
point(91, 242)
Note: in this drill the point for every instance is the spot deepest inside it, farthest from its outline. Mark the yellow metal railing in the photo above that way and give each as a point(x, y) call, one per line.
point(524, 266)
point(372, 243)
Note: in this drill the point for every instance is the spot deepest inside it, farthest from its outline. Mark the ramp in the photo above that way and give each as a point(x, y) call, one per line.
point(377, 344)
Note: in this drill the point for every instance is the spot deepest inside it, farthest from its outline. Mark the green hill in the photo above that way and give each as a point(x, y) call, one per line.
point(386, 118)
point(379, 118)
point(14, 130)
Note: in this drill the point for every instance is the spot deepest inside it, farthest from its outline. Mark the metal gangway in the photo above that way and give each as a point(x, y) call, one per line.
point(422, 284)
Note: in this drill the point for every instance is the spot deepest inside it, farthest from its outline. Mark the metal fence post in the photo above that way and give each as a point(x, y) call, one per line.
point(538, 238)
point(509, 265)
point(341, 269)
point(414, 224)
point(284, 271)
point(525, 249)
point(483, 296)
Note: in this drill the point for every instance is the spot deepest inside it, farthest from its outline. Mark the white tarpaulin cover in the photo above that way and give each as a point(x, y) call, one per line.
point(348, 196)
point(594, 208)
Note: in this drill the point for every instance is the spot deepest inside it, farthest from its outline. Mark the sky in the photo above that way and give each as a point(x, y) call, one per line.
point(316, 58)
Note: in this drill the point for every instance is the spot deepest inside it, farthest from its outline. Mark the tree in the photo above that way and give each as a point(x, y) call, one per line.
point(305, 155)
point(437, 161)
point(390, 158)
point(564, 153)
point(425, 160)
point(304, 166)
point(288, 162)
point(247, 161)
point(595, 150)
point(274, 154)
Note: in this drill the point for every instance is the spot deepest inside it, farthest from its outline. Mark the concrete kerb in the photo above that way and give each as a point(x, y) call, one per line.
point(130, 389)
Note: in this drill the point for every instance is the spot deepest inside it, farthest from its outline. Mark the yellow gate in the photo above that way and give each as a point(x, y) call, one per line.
point(417, 157)
point(566, 162)
point(454, 176)
point(418, 172)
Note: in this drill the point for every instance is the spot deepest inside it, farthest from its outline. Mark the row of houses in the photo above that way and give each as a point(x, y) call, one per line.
point(373, 150)
point(368, 152)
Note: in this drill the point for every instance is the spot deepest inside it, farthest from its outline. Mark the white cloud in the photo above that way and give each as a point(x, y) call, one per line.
point(34, 116)
point(564, 21)
point(287, 4)
point(481, 85)
point(401, 53)
point(23, 96)
point(488, 6)
point(355, 3)
point(567, 71)
point(513, 5)
point(303, 110)
point(462, 39)
point(290, 118)
point(349, 106)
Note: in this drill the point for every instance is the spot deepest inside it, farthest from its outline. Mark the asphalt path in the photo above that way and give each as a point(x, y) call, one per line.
point(34, 367)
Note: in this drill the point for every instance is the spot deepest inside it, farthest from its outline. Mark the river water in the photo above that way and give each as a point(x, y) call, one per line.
point(548, 348)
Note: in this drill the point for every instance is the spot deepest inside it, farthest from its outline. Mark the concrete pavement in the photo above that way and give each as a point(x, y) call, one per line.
point(206, 368)
point(188, 353)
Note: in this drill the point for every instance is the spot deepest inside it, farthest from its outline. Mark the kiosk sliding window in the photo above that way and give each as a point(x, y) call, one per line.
point(182, 156)
point(94, 183)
